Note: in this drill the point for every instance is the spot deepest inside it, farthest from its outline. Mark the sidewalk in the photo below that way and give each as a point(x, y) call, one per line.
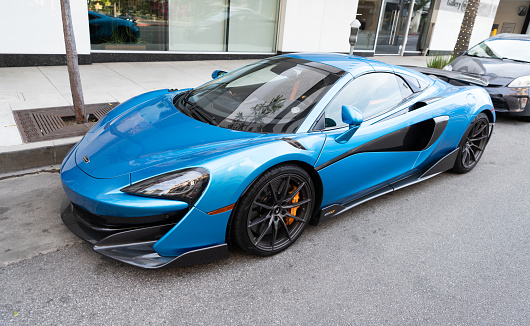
point(41, 87)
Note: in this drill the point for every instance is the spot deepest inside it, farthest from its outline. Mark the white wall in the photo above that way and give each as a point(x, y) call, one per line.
point(316, 25)
point(35, 27)
point(448, 20)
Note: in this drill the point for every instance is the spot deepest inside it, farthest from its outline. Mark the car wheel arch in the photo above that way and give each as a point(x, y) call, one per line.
point(317, 182)
point(488, 114)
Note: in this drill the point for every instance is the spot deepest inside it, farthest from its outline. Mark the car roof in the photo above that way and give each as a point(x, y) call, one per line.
point(356, 65)
point(522, 37)
point(350, 63)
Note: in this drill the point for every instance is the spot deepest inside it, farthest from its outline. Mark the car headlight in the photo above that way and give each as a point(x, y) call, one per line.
point(523, 81)
point(186, 185)
point(448, 68)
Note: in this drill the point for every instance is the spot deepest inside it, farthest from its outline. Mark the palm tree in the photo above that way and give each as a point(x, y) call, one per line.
point(462, 44)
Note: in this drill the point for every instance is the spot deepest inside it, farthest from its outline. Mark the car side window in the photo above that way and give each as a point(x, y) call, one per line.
point(372, 94)
point(404, 87)
point(91, 17)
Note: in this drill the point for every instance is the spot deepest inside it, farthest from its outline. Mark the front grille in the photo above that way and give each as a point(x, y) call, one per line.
point(119, 222)
point(499, 104)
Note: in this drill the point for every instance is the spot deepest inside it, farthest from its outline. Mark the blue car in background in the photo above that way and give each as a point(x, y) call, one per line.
point(173, 177)
point(104, 28)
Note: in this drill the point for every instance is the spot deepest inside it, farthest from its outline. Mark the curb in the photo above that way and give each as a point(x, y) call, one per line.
point(33, 155)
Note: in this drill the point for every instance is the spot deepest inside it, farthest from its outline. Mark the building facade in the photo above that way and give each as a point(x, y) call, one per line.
point(146, 30)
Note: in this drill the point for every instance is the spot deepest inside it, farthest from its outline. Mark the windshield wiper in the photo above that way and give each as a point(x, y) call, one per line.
point(479, 56)
point(516, 60)
point(189, 108)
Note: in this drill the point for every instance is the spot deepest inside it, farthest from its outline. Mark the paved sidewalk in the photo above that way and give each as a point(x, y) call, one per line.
point(41, 87)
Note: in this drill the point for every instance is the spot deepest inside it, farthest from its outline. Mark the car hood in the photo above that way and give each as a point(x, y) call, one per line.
point(148, 134)
point(496, 71)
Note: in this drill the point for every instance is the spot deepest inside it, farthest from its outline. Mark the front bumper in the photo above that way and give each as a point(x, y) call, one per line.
point(135, 245)
point(508, 100)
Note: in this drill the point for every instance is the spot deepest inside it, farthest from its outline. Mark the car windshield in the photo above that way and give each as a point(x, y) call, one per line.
point(269, 96)
point(502, 49)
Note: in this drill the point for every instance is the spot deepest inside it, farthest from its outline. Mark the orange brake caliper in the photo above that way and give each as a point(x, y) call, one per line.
point(289, 220)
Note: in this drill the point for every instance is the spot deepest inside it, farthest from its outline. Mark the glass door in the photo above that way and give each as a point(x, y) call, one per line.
point(390, 35)
point(419, 25)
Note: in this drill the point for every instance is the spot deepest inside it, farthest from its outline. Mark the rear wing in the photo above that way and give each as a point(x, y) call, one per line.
point(452, 77)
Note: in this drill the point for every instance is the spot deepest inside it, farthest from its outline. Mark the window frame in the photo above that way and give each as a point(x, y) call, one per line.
point(390, 109)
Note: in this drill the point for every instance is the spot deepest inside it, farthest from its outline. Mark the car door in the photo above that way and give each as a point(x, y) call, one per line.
point(381, 149)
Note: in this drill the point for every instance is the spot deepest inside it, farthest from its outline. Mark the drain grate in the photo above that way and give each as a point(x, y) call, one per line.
point(99, 114)
point(48, 123)
point(59, 122)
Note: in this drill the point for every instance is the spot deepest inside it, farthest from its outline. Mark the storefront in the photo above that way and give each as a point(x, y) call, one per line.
point(242, 26)
point(384, 26)
point(160, 30)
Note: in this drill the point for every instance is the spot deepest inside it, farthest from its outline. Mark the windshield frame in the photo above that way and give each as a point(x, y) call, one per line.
point(502, 49)
point(278, 105)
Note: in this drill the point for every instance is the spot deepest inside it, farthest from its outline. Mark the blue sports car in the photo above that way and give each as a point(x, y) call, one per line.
point(174, 177)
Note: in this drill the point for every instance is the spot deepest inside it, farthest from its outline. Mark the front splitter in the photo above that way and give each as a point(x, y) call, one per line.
point(135, 246)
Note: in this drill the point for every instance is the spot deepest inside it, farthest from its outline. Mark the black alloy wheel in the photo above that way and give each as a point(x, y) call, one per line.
point(473, 144)
point(274, 211)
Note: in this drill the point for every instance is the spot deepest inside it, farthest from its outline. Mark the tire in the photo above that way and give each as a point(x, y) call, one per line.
point(472, 145)
point(266, 219)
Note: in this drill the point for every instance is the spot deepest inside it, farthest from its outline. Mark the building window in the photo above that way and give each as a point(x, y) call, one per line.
point(368, 14)
point(184, 25)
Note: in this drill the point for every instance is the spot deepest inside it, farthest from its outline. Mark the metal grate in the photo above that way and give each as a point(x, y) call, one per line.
point(99, 114)
point(52, 123)
point(48, 123)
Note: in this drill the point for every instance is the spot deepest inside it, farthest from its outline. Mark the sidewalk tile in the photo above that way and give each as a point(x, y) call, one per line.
point(9, 134)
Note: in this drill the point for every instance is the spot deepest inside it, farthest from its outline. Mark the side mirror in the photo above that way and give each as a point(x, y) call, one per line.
point(353, 118)
point(218, 73)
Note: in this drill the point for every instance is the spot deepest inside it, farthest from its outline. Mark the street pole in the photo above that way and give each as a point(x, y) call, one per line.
point(71, 61)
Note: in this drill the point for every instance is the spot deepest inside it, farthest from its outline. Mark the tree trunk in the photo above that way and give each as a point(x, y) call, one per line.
point(71, 60)
point(462, 44)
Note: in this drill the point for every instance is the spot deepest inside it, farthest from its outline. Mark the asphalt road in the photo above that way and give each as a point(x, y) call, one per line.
point(452, 250)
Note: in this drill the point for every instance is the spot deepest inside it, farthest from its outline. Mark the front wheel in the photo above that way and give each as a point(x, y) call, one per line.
point(274, 211)
point(472, 144)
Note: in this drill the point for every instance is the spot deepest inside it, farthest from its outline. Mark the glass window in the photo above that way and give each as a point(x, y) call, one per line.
point(404, 87)
point(222, 25)
point(271, 96)
point(197, 25)
point(183, 25)
point(368, 14)
point(372, 94)
point(252, 25)
point(419, 25)
point(128, 24)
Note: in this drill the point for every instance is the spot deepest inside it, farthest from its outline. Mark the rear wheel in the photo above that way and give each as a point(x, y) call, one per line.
point(472, 144)
point(274, 211)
